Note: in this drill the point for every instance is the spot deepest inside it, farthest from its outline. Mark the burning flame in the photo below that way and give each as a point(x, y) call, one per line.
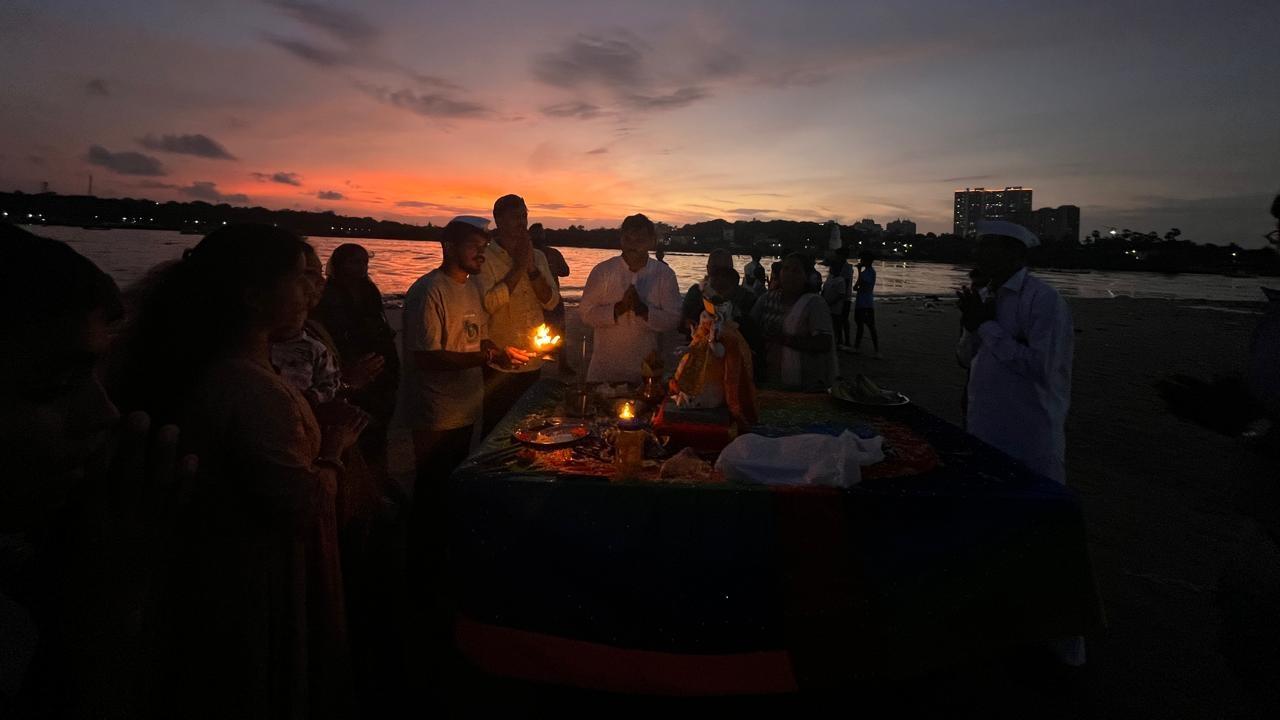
point(542, 339)
point(627, 412)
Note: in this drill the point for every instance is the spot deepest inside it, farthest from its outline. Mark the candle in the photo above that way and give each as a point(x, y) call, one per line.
point(627, 419)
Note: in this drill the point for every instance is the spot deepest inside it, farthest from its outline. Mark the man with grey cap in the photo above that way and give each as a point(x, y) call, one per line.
point(1017, 345)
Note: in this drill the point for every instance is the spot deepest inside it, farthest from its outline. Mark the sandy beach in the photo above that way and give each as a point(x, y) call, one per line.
point(1174, 511)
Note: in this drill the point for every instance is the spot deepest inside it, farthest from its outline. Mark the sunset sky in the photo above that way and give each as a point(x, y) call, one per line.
point(1147, 115)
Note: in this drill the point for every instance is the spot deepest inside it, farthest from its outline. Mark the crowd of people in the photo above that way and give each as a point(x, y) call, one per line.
point(198, 519)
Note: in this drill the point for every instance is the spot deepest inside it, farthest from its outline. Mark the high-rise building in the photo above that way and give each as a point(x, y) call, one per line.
point(869, 226)
point(1060, 224)
point(973, 204)
point(901, 228)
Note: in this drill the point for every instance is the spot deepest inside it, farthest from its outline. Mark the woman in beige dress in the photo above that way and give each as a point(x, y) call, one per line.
point(252, 622)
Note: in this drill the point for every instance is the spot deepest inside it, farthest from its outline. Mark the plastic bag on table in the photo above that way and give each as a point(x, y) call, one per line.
point(799, 459)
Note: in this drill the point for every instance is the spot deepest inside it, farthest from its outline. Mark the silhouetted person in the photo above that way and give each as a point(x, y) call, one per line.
point(835, 295)
point(559, 268)
point(813, 278)
point(864, 303)
point(846, 272)
point(79, 546)
point(691, 307)
point(628, 302)
point(517, 286)
point(446, 341)
point(372, 565)
point(775, 270)
point(761, 285)
point(1264, 351)
point(752, 272)
point(723, 286)
point(254, 606)
point(1018, 343)
point(660, 256)
point(795, 326)
point(351, 311)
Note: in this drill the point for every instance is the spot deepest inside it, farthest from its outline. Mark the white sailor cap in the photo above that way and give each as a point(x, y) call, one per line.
point(1008, 229)
point(482, 223)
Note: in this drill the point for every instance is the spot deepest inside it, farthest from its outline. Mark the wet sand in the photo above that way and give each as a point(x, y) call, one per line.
point(1174, 511)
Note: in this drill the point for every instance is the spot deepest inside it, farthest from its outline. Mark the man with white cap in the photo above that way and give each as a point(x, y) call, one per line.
point(446, 343)
point(1018, 346)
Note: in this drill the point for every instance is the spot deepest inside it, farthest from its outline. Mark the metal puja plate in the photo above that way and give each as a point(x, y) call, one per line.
point(552, 432)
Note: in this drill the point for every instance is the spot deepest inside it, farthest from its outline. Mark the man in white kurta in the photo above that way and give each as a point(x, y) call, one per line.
point(1018, 345)
point(629, 301)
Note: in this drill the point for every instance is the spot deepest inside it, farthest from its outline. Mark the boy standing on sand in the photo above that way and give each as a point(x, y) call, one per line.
point(864, 304)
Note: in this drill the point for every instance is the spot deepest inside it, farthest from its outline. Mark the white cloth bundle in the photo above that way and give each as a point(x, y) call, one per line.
point(799, 459)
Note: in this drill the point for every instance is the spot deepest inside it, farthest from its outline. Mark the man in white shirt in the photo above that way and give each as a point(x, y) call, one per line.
point(446, 342)
point(1017, 343)
point(1018, 346)
point(517, 286)
point(629, 301)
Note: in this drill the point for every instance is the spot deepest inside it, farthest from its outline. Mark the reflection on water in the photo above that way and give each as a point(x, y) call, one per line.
point(128, 254)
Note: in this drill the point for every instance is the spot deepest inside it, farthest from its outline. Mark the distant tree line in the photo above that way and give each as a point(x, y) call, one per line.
point(1114, 250)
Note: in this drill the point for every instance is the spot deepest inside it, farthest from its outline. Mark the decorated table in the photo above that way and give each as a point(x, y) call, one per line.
point(567, 570)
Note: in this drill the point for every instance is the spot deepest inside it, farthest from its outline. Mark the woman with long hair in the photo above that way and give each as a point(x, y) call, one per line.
point(253, 620)
point(351, 311)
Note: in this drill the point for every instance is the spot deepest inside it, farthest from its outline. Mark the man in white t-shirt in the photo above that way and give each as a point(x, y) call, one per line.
point(446, 343)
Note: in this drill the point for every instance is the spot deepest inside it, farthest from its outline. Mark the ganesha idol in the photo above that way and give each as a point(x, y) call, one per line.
point(712, 386)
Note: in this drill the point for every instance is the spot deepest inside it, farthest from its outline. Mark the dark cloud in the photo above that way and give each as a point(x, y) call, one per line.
point(598, 151)
point(616, 62)
point(433, 104)
point(154, 185)
point(342, 24)
point(284, 178)
point(750, 211)
point(198, 145)
point(966, 178)
point(330, 195)
point(307, 52)
point(446, 209)
point(125, 163)
point(208, 191)
point(433, 81)
point(680, 98)
point(574, 109)
point(559, 206)
point(97, 87)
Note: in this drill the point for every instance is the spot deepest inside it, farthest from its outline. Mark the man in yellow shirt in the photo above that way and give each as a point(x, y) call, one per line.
point(517, 286)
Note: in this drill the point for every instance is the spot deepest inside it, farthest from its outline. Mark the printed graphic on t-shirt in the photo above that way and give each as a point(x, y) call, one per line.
point(471, 327)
